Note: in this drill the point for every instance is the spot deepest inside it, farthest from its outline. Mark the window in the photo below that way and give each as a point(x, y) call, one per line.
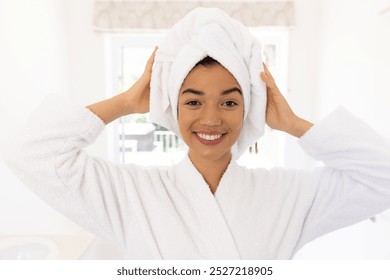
point(133, 139)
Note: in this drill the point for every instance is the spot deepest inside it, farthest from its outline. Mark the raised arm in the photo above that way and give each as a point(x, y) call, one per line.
point(48, 156)
point(134, 100)
point(279, 114)
point(354, 184)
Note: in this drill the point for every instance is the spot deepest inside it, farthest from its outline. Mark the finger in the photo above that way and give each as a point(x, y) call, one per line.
point(150, 62)
point(270, 80)
point(266, 69)
point(267, 80)
point(267, 72)
point(264, 77)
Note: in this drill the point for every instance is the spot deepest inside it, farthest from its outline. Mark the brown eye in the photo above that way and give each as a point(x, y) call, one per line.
point(230, 104)
point(193, 103)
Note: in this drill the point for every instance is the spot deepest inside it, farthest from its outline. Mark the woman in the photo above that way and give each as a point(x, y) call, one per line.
point(206, 206)
point(210, 108)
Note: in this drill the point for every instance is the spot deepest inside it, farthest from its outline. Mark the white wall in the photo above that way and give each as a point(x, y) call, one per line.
point(303, 73)
point(86, 61)
point(355, 60)
point(47, 46)
point(33, 56)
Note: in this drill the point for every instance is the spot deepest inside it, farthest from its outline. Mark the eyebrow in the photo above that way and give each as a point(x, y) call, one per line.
point(199, 92)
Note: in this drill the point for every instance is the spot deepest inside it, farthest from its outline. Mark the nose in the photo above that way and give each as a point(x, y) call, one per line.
point(210, 117)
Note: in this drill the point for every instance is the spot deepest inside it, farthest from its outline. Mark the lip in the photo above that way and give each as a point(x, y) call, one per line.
point(210, 142)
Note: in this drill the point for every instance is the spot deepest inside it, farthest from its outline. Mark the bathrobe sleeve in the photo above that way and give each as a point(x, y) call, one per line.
point(48, 157)
point(355, 183)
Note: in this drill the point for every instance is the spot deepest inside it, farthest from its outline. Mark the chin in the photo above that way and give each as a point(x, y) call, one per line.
point(210, 154)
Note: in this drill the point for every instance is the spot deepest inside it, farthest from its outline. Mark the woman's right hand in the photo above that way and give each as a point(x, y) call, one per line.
point(138, 96)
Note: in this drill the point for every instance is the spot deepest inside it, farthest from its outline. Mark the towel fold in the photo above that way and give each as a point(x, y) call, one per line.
point(209, 32)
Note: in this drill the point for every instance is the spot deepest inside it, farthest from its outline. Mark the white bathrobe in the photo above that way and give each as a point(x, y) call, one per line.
point(170, 213)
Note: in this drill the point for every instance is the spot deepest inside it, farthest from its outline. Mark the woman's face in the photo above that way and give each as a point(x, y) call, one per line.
point(210, 112)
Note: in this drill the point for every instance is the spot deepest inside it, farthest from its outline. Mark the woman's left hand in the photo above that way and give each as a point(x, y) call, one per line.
point(279, 114)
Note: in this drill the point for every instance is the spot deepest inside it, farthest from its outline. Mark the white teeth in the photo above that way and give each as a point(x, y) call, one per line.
point(209, 137)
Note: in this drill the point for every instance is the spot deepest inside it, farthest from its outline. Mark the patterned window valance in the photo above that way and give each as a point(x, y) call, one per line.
point(122, 16)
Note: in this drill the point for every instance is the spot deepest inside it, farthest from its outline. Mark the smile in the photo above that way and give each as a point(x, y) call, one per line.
point(210, 139)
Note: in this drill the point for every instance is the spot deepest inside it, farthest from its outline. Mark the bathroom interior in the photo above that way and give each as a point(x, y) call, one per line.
point(323, 53)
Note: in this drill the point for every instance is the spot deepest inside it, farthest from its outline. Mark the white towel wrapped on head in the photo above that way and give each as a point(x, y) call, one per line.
point(209, 32)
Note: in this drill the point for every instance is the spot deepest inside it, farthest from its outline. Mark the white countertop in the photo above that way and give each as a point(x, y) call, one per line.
point(62, 247)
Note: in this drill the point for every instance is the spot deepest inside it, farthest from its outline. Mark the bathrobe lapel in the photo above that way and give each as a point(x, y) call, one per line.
point(220, 241)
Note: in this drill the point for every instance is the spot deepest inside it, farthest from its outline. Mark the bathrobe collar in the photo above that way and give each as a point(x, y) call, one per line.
point(207, 206)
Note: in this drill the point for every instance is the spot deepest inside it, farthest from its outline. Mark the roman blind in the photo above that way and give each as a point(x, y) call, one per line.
point(125, 15)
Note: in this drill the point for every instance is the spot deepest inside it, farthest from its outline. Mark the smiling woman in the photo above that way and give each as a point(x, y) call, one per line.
point(210, 115)
point(206, 206)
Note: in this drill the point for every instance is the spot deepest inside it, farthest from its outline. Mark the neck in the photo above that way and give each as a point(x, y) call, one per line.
point(211, 170)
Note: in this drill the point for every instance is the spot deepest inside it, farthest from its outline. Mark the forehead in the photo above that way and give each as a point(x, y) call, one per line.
point(210, 77)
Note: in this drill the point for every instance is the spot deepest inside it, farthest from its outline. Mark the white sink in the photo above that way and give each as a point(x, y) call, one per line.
point(28, 248)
